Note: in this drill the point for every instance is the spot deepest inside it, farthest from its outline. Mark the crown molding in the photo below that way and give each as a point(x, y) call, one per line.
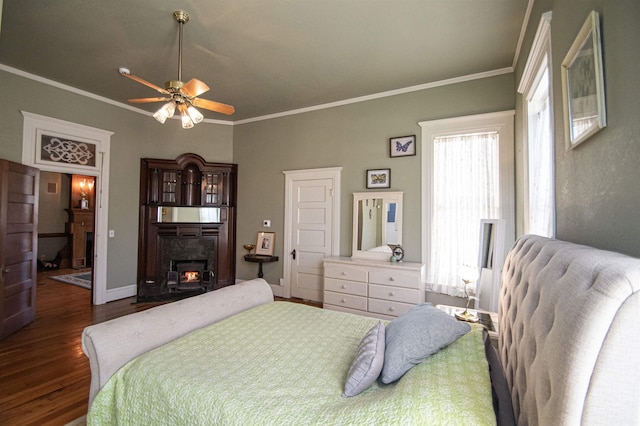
point(410, 89)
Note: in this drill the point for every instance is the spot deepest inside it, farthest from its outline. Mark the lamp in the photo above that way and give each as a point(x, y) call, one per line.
point(468, 274)
point(85, 188)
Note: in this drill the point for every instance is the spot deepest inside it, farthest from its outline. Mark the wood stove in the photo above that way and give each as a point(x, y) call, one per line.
point(188, 275)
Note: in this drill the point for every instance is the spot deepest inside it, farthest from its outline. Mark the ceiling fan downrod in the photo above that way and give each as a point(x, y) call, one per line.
point(182, 17)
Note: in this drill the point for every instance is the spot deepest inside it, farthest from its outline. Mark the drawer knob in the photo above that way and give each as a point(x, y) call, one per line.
point(392, 279)
point(391, 293)
point(344, 273)
point(344, 301)
point(392, 309)
point(344, 286)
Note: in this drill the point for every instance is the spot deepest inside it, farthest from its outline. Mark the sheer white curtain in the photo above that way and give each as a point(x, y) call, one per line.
point(465, 190)
point(541, 190)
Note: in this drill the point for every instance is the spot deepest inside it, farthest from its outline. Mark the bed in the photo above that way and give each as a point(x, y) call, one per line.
point(234, 356)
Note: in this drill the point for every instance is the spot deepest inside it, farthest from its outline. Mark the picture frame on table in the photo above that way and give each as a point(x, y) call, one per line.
point(265, 243)
point(402, 146)
point(378, 178)
point(583, 84)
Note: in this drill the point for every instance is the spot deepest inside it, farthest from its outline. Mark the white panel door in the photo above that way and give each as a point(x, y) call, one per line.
point(311, 231)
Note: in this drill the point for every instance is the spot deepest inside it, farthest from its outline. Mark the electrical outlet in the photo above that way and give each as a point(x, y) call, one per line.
point(266, 223)
point(112, 233)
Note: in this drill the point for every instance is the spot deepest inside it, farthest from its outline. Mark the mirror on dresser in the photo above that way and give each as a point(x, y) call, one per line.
point(377, 222)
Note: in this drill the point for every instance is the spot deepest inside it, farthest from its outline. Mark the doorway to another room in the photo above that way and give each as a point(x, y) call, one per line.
point(66, 230)
point(53, 145)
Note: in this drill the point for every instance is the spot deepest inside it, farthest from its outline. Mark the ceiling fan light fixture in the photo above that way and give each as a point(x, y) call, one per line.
point(166, 111)
point(187, 122)
point(196, 116)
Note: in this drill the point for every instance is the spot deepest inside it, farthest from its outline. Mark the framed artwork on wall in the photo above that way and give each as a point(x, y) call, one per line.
point(265, 243)
point(583, 84)
point(402, 146)
point(379, 178)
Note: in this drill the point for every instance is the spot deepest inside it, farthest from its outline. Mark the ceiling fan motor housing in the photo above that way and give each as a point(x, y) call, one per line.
point(173, 85)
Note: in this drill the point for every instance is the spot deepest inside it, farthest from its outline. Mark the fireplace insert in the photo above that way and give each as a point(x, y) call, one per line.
point(188, 275)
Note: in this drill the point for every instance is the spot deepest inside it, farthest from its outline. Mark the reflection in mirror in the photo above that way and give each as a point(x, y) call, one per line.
point(189, 214)
point(490, 259)
point(377, 222)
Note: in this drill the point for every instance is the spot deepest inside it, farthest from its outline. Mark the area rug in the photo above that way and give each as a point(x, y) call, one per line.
point(80, 279)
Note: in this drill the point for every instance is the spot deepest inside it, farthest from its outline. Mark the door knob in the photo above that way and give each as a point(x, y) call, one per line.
point(293, 253)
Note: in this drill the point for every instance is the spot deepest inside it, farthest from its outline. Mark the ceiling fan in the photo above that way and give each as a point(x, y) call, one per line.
point(181, 96)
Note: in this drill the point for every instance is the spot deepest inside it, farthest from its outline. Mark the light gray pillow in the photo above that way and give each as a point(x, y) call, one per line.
point(413, 337)
point(367, 364)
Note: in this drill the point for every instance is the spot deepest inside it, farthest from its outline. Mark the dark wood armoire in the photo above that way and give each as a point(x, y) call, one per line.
point(187, 232)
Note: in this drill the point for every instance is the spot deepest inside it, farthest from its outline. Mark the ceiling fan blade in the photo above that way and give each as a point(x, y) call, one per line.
point(213, 106)
point(194, 87)
point(145, 82)
point(143, 100)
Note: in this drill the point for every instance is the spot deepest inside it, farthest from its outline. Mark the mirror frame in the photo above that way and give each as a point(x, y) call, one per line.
point(387, 197)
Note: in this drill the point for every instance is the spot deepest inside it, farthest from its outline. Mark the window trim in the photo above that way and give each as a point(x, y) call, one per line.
point(539, 57)
point(501, 122)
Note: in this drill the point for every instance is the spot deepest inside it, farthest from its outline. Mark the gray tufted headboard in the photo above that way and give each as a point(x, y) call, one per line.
point(569, 334)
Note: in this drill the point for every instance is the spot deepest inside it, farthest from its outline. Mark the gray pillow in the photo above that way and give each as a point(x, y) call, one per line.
point(413, 337)
point(367, 364)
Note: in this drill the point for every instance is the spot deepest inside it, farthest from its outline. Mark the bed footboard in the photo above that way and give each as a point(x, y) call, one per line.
point(111, 344)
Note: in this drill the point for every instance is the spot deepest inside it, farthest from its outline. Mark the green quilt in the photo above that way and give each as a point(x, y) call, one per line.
point(285, 364)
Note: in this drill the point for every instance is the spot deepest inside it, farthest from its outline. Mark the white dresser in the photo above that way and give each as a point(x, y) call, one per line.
point(375, 288)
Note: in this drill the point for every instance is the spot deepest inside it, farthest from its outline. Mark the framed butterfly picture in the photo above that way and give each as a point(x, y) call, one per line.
point(379, 178)
point(402, 146)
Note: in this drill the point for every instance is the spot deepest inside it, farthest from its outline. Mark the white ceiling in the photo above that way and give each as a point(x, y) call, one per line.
point(262, 56)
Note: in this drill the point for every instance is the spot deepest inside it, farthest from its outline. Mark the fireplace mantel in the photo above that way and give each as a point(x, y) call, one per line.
point(187, 181)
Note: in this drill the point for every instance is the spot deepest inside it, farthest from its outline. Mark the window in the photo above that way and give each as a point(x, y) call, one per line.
point(539, 206)
point(467, 175)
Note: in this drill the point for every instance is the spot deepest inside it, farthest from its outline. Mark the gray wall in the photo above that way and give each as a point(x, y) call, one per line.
point(136, 136)
point(597, 182)
point(356, 138)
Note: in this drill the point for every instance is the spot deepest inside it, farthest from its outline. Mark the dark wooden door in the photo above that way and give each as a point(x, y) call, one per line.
point(18, 245)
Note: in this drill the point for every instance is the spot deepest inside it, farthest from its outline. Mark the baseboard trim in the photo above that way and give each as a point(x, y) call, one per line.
point(121, 292)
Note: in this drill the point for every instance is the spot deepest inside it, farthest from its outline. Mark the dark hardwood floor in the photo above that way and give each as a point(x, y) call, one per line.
point(44, 376)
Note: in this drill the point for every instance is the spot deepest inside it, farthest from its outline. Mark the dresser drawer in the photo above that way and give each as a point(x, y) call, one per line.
point(395, 278)
point(344, 286)
point(345, 300)
point(389, 308)
point(396, 294)
point(345, 273)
